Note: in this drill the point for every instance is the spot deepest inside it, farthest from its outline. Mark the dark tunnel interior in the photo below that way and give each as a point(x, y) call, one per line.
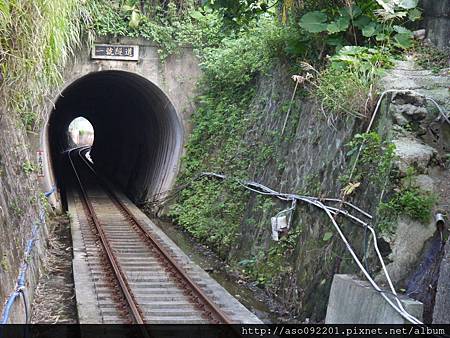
point(138, 135)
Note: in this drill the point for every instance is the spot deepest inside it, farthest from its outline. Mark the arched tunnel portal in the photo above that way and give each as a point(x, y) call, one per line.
point(138, 135)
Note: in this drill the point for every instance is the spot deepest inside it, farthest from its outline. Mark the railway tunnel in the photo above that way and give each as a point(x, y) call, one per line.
point(137, 133)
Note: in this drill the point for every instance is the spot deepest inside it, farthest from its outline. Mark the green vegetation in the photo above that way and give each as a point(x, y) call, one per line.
point(410, 201)
point(168, 24)
point(430, 57)
point(362, 41)
point(221, 120)
point(363, 21)
point(210, 215)
point(348, 85)
point(36, 37)
point(374, 162)
point(4, 263)
point(16, 209)
point(28, 167)
point(268, 264)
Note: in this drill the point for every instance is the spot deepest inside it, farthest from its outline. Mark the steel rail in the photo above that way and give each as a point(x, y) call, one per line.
point(215, 311)
point(126, 290)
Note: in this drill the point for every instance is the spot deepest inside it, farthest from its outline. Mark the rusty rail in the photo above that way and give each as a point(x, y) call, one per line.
point(121, 278)
point(189, 286)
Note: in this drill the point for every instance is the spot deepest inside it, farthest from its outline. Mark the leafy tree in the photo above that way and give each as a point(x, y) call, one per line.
point(239, 13)
point(380, 21)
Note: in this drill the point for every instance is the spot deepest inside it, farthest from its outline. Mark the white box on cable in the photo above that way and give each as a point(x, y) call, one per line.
point(279, 224)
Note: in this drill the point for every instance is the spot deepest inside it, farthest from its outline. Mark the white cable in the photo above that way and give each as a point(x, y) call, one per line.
point(377, 107)
point(330, 211)
point(391, 285)
point(349, 204)
point(400, 310)
point(375, 243)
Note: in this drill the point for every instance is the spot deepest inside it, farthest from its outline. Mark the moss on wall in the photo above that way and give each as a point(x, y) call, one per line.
point(244, 140)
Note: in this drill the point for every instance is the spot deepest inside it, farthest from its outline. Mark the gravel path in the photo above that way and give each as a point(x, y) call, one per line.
point(54, 300)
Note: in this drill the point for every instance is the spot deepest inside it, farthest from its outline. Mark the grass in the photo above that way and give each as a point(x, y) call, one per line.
point(410, 201)
point(36, 37)
point(4, 263)
point(430, 57)
point(347, 85)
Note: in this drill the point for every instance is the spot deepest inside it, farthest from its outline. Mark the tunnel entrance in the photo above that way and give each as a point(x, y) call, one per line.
point(138, 135)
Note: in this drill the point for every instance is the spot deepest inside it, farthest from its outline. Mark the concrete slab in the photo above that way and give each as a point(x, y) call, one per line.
point(353, 301)
point(87, 303)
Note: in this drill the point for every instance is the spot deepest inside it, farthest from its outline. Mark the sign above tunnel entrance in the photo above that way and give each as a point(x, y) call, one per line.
point(115, 52)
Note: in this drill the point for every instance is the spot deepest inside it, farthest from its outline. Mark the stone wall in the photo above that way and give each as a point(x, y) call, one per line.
point(19, 195)
point(313, 158)
point(437, 21)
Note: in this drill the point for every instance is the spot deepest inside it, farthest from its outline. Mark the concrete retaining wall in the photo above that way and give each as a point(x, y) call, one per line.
point(353, 301)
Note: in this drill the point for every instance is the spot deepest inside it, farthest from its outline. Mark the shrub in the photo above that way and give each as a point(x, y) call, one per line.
point(347, 86)
point(411, 202)
point(36, 37)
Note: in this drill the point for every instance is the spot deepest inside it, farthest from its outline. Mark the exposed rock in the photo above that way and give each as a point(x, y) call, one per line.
point(424, 182)
point(420, 34)
point(407, 245)
point(402, 98)
point(414, 112)
point(437, 20)
point(400, 119)
point(408, 76)
point(411, 153)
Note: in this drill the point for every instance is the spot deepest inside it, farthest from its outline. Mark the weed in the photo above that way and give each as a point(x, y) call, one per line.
point(410, 201)
point(28, 167)
point(168, 25)
point(36, 37)
point(347, 86)
point(355, 23)
point(430, 57)
point(16, 209)
point(375, 159)
point(268, 264)
point(69, 216)
point(4, 263)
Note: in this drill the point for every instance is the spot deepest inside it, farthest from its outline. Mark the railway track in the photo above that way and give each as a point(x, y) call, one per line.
point(136, 278)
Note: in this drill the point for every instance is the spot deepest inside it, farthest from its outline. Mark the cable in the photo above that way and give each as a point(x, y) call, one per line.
point(50, 192)
point(377, 107)
point(261, 189)
point(330, 211)
point(19, 290)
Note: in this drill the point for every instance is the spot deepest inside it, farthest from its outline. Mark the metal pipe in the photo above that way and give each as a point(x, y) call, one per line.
point(439, 221)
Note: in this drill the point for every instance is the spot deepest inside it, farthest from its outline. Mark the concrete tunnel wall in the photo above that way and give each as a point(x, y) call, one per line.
point(138, 136)
point(140, 111)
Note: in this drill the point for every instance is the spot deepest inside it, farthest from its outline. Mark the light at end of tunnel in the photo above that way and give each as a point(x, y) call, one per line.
point(81, 132)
